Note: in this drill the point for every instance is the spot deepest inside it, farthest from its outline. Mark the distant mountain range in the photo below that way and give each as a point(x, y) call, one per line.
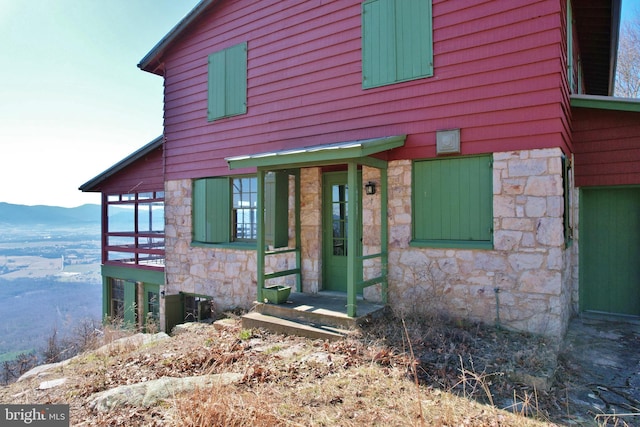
point(23, 215)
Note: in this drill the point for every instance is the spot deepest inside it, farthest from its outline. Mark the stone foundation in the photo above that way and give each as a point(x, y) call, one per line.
point(522, 284)
point(226, 275)
point(526, 282)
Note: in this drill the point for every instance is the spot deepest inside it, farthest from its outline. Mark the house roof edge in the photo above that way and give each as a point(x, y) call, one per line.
point(605, 103)
point(90, 185)
point(152, 61)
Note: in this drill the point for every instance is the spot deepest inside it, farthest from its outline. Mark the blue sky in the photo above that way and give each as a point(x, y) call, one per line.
point(72, 100)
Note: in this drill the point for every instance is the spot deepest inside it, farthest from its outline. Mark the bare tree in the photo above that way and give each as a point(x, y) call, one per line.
point(628, 67)
point(12, 369)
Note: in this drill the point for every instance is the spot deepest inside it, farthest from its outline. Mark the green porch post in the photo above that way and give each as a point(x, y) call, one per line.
point(384, 234)
point(260, 253)
point(352, 214)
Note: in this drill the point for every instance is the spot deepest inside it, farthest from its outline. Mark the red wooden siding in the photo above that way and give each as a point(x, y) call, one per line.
point(499, 75)
point(607, 147)
point(145, 174)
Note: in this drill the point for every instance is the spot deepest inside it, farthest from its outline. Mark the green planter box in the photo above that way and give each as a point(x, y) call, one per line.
point(276, 294)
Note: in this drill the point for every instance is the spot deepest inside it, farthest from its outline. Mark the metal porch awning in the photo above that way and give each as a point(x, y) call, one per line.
point(326, 153)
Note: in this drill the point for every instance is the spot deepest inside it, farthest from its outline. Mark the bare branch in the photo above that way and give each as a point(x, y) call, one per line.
point(628, 66)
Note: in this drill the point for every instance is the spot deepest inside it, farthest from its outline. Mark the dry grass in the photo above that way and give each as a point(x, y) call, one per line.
point(378, 378)
point(366, 395)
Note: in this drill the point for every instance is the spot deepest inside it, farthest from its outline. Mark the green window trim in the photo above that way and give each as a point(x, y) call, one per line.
point(122, 301)
point(227, 84)
point(453, 202)
point(116, 299)
point(397, 41)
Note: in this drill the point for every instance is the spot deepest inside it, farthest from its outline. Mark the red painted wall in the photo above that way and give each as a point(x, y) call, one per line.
point(145, 174)
point(607, 147)
point(499, 76)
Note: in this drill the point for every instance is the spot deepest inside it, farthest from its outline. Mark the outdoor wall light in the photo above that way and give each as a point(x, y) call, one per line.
point(370, 188)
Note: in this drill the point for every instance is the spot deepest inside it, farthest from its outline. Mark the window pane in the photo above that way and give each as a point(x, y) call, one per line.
point(245, 202)
point(151, 217)
point(117, 299)
point(121, 218)
point(153, 306)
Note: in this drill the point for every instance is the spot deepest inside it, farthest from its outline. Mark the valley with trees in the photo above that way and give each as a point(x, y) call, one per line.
point(50, 283)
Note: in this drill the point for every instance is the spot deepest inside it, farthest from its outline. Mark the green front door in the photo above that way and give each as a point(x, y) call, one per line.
point(610, 250)
point(335, 237)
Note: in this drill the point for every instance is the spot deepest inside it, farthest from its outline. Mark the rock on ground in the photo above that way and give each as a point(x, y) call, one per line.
point(150, 392)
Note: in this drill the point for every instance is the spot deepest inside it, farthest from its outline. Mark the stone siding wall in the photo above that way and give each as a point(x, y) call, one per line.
point(524, 281)
point(527, 282)
point(227, 275)
point(575, 253)
point(311, 228)
point(371, 244)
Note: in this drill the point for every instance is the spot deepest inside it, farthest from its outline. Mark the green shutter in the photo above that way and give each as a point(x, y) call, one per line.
point(378, 43)
point(218, 210)
point(277, 209)
point(396, 41)
point(228, 82)
point(413, 39)
point(217, 87)
point(236, 80)
point(453, 199)
point(211, 210)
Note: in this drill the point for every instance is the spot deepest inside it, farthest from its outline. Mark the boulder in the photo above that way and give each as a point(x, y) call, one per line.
point(148, 393)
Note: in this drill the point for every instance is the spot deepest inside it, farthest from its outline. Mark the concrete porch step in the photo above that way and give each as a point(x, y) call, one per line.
point(322, 315)
point(323, 308)
point(292, 327)
point(316, 315)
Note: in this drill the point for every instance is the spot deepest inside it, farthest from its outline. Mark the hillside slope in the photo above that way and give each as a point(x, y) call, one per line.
point(281, 381)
